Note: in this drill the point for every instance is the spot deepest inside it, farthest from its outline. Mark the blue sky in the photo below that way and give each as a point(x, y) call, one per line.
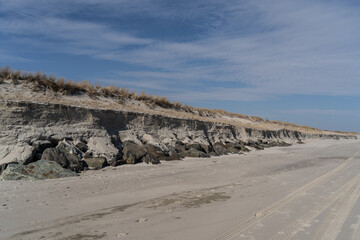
point(296, 61)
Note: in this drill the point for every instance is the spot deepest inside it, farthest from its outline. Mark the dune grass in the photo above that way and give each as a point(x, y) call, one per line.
point(39, 81)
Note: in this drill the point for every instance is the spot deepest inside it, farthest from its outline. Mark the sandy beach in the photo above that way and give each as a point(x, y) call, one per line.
point(257, 195)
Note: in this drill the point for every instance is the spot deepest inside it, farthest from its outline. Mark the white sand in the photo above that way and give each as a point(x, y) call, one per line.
point(189, 199)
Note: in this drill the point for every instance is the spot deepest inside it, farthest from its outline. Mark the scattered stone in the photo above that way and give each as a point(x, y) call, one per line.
point(39, 170)
point(122, 234)
point(142, 220)
point(96, 163)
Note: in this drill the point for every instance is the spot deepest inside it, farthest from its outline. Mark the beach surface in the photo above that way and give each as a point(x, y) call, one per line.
point(305, 191)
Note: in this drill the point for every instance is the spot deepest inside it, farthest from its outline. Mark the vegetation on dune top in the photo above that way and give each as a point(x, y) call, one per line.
point(40, 81)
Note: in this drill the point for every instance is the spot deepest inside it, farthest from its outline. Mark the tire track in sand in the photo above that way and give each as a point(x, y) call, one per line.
point(268, 211)
point(332, 225)
point(344, 193)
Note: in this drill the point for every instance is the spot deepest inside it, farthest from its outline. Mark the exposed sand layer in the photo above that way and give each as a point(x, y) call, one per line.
point(279, 193)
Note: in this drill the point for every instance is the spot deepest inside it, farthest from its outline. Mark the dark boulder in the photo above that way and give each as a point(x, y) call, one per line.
point(82, 146)
point(180, 147)
point(66, 155)
point(233, 147)
point(155, 151)
point(194, 153)
point(206, 148)
point(132, 153)
point(172, 154)
point(52, 154)
point(220, 148)
point(149, 158)
point(39, 170)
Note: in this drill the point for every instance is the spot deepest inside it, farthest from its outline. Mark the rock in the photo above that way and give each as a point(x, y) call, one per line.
point(220, 148)
point(233, 147)
point(180, 146)
point(132, 153)
point(53, 154)
point(41, 169)
point(68, 148)
point(21, 153)
point(155, 151)
point(82, 146)
point(255, 145)
point(96, 163)
point(66, 155)
point(172, 154)
point(149, 158)
point(72, 154)
point(103, 147)
point(194, 153)
point(196, 146)
point(4, 166)
point(206, 148)
point(41, 145)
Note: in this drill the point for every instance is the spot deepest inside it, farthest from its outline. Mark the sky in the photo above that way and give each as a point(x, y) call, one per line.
point(295, 60)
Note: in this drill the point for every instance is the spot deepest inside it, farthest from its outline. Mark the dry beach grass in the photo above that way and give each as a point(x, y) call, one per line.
point(41, 88)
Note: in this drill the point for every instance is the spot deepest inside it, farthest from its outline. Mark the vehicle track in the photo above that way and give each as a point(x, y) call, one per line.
point(344, 194)
point(332, 225)
point(268, 211)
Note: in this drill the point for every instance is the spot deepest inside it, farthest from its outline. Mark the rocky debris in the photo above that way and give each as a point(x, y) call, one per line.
point(39, 170)
point(96, 163)
point(207, 148)
point(180, 146)
point(172, 154)
point(155, 151)
point(66, 155)
point(132, 153)
point(41, 145)
point(21, 153)
point(103, 147)
point(220, 148)
point(4, 166)
point(149, 158)
point(235, 147)
point(255, 145)
point(81, 146)
point(192, 152)
point(53, 154)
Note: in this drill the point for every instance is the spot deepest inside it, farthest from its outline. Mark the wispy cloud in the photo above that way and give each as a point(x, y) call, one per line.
point(270, 48)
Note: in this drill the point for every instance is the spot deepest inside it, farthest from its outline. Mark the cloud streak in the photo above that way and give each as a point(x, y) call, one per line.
point(250, 50)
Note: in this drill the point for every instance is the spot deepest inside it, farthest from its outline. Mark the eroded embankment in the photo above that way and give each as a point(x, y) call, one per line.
point(31, 131)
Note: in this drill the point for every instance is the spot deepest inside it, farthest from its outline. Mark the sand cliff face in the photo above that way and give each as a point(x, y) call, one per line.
point(21, 121)
point(28, 122)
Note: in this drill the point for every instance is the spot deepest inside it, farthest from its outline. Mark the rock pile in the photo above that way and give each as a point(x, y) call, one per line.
point(50, 159)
